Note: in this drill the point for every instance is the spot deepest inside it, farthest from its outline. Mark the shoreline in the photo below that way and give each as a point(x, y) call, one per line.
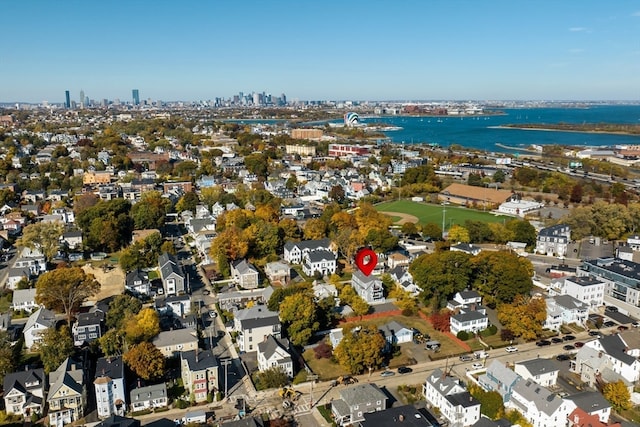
point(599, 132)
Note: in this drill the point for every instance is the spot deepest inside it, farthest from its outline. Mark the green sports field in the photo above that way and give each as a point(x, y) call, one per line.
point(427, 213)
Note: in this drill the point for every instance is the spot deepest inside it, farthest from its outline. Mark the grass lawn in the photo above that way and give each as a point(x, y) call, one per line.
point(325, 369)
point(429, 213)
point(632, 414)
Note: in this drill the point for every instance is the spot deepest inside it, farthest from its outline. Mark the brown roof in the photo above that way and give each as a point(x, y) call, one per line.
point(477, 193)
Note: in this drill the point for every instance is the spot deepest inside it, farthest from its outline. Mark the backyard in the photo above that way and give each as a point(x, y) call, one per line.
point(428, 213)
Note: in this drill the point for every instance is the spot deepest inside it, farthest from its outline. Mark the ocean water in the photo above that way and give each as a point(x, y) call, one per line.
point(484, 132)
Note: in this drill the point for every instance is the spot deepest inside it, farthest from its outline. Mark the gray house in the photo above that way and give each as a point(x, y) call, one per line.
point(173, 278)
point(369, 287)
point(499, 378)
point(356, 401)
point(246, 274)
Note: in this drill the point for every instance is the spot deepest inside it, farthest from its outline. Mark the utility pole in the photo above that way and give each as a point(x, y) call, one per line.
point(313, 379)
point(444, 209)
point(226, 363)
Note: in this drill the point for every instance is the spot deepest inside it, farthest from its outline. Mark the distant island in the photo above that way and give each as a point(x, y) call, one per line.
point(611, 128)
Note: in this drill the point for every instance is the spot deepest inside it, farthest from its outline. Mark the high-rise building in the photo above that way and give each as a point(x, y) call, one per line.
point(136, 96)
point(81, 98)
point(67, 99)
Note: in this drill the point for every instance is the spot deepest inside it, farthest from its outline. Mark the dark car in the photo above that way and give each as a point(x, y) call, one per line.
point(404, 370)
point(594, 333)
point(569, 347)
point(466, 358)
point(578, 344)
point(543, 343)
point(611, 309)
point(623, 328)
point(556, 340)
point(609, 324)
point(562, 357)
point(568, 338)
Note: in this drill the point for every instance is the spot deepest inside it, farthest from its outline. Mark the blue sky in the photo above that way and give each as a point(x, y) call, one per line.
point(308, 49)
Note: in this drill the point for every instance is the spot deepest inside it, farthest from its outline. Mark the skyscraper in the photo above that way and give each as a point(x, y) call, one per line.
point(81, 98)
point(67, 99)
point(136, 96)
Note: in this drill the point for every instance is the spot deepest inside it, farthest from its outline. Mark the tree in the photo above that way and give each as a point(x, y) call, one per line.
point(432, 231)
point(150, 211)
point(55, 347)
point(457, 233)
point(491, 403)
point(271, 378)
point(500, 276)
point(44, 236)
point(112, 342)
point(65, 289)
point(8, 359)
point(576, 193)
point(146, 361)
point(479, 231)
point(499, 176)
point(323, 350)
point(441, 320)
point(441, 275)
point(120, 309)
point(409, 229)
point(143, 326)
point(315, 229)
point(337, 194)
point(522, 231)
point(298, 314)
point(231, 243)
point(360, 348)
point(475, 179)
point(618, 395)
point(188, 202)
point(524, 317)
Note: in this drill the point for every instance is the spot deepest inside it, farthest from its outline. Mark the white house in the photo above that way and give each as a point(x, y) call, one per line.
point(254, 325)
point(519, 207)
point(24, 392)
point(469, 315)
point(622, 359)
point(274, 353)
point(321, 261)
point(149, 397)
point(587, 289)
point(293, 251)
point(450, 396)
point(38, 322)
point(109, 386)
point(564, 310)
point(553, 241)
point(246, 274)
point(538, 405)
point(396, 333)
point(24, 299)
point(369, 287)
point(592, 403)
point(542, 371)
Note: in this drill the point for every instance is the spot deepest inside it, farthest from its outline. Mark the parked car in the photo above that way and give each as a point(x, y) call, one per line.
point(611, 309)
point(387, 374)
point(404, 370)
point(594, 333)
point(543, 343)
point(578, 344)
point(623, 328)
point(562, 357)
point(511, 349)
point(569, 347)
point(609, 324)
point(635, 324)
point(477, 366)
point(568, 338)
point(466, 358)
point(556, 340)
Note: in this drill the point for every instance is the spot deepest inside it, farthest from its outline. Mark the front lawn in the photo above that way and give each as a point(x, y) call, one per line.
point(325, 369)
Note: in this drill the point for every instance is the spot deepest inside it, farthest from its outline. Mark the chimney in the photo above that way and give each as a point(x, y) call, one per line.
point(196, 354)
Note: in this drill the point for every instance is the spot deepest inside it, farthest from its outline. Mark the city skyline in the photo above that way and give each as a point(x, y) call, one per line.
point(196, 50)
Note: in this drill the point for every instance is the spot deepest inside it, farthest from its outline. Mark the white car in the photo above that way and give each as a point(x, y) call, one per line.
point(511, 349)
point(477, 366)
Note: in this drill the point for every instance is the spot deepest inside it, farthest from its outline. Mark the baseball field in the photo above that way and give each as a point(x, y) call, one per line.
point(407, 211)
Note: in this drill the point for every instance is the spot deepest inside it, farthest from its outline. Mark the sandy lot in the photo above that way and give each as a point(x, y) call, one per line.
point(403, 217)
point(111, 281)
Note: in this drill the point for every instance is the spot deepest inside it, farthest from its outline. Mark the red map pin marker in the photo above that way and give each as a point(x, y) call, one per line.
point(366, 260)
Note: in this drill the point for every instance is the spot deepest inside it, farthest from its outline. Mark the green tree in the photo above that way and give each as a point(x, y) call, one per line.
point(409, 229)
point(112, 342)
point(499, 176)
point(150, 211)
point(121, 309)
point(44, 236)
point(491, 403)
point(188, 202)
point(65, 289)
point(479, 232)
point(55, 347)
point(432, 231)
point(441, 275)
point(279, 294)
point(618, 395)
point(360, 349)
point(500, 276)
point(522, 231)
point(8, 357)
point(271, 378)
point(106, 226)
point(146, 361)
point(298, 313)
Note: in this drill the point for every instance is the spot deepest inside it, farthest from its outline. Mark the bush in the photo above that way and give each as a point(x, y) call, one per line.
point(300, 377)
point(180, 404)
point(491, 330)
point(323, 351)
point(507, 335)
point(463, 335)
